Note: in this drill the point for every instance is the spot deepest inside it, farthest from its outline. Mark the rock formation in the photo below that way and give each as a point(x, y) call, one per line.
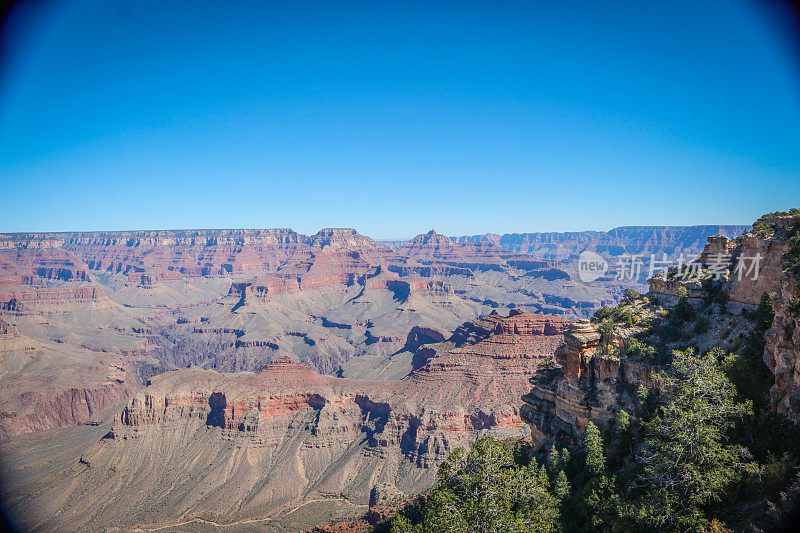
point(780, 250)
point(586, 386)
point(754, 265)
point(431, 248)
point(580, 344)
point(224, 351)
point(230, 300)
point(287, 435)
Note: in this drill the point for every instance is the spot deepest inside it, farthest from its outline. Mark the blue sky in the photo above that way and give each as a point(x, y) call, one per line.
point(395, 117)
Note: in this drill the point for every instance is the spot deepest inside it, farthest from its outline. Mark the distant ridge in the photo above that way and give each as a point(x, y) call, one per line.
point(562, 246)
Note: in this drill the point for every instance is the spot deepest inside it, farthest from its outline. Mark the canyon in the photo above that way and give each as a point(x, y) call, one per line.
point(286, 436)
point(269, 375)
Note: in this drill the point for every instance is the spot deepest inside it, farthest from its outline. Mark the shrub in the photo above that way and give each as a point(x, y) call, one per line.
point(625, 316)
point(606, 328)
point(701, 326)
point(722, 299)
point(603, 313)
point(546, 364)
point(639, 349)
point(630, 295)
point(485, 489)
point(685, 460)
point(792, 257)
point(683, 312)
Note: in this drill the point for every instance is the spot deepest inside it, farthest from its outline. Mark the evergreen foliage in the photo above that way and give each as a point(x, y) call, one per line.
point(747, 370)
point(561, 486)
point(685, 460)
point(593, 446)
point(486, 490)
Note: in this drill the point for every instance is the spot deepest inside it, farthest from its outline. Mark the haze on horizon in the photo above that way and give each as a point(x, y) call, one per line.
point(393, 118)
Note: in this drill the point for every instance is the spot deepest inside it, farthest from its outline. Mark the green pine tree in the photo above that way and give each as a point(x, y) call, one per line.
point(686, 462)
point(485, 490)
point(553, 462)
point(561, 486)
point(593, 445)
point(564, 459)
point(622, 422)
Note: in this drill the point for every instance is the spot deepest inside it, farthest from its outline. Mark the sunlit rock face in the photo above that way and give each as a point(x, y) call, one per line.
point(585, 386)
point(98, 304)
point(287, 434)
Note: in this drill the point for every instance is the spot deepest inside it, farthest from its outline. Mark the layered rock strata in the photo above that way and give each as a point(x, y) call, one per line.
point(12, 342)
point(586, 386)
point(254, 444)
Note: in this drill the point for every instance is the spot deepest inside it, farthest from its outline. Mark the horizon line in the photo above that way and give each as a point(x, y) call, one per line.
point(395, 238)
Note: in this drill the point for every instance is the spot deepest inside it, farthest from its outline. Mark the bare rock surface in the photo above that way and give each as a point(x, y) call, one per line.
point(235, 446)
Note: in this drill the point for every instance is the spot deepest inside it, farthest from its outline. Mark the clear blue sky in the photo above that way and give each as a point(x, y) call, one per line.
point(395, 117)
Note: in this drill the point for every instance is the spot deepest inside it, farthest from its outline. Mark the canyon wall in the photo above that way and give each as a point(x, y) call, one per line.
point(239, 446)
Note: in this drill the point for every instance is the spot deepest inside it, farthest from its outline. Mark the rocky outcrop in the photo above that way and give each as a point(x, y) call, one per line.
point(50, 295)
point(782, 353)
point(433, 248)
point(434, 269)
point(746, 268)
point(276, 439)
point(586, 386)
point(531, 335)
point(341, 238)
point(754, 265)
point(580, 344)
point(511, 346)
point(747, 281)
point(782, 350)
point(266, 286)
point(288, 435)
point(165, 254)
point(45, 264)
